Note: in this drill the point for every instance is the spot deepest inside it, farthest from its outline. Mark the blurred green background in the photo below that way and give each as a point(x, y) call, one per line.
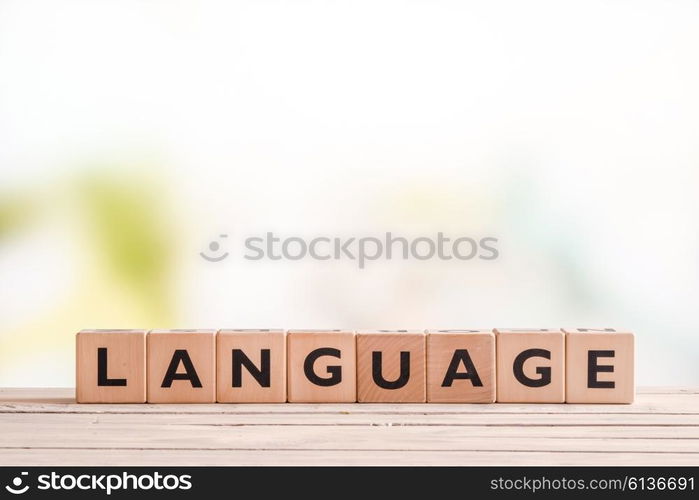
point(134, 133)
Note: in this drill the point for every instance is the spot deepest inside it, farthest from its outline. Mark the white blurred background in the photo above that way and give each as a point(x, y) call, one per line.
point(133, 133)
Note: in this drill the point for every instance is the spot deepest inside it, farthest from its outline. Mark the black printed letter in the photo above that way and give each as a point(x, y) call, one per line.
point(262, 375)
point(377, 375)
point(334, 371)
point(461, 356)
point(102, 378)
point(189, 374)
point(593, 369)
point(544, 371)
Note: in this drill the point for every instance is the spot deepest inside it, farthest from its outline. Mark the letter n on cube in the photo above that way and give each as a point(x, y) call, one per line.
point(251, 366)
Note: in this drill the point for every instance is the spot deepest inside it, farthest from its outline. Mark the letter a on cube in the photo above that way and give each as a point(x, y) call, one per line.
point(460, 366)
point(182, 366)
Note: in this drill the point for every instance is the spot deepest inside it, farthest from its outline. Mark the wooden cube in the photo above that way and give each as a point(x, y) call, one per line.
point(530, 365)
point(599, 365)
point(182, 366)
point(110, 366)
point(321, 366)
point(391, 366)
point(251, 366)
point(460, 366)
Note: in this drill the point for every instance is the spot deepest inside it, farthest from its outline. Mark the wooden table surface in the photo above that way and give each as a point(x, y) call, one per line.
point(46, 427)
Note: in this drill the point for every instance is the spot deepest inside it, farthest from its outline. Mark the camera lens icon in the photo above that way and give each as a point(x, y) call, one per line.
point(16, 487)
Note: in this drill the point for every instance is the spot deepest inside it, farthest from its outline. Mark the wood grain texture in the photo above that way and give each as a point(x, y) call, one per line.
point(402, 363)
point(513, 345)
point(253, 344)
point(339, 370)
point(124, 358)
point(616, 352)
point(47, 427)
point(479, 347)
point(199, 346)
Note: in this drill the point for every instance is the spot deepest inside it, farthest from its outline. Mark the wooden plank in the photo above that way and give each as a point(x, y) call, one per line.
point(686, 403)
point(324, 458)
point(339, 414)
point(311, 437)
point(351, 419)
point(13, 430)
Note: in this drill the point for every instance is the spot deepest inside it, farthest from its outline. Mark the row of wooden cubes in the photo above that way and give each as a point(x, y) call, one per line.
point(574, 365)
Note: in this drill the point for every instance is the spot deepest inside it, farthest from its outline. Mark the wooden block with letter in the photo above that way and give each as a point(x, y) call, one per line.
point(251, 366)
point(391, 366)
point(460, 366)
point(110, 366)
point(182, 366)
point(599, 365)
point(530, 365)
point(321, 366)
